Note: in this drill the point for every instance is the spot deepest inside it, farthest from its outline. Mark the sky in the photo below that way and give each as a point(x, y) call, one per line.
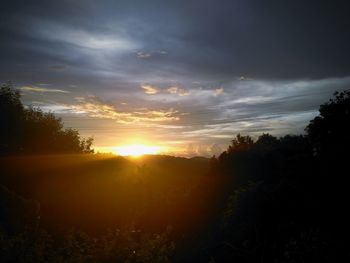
point(185, 76)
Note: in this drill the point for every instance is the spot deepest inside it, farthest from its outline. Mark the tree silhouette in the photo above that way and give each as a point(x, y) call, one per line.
point(296, 209)
point(11, 119)
point(330, 131)
point(266, 143)
point(32, 131)
point(240, 143)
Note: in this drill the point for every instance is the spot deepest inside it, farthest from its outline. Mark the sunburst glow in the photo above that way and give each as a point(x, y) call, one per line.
point(136, 150)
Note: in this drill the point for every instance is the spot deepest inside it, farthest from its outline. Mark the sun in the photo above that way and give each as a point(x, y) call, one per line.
point(136, 150)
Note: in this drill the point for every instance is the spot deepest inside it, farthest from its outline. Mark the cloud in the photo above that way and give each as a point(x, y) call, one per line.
point(215, 149)
point(96, 108)
point(59, 109)
point(143, 55)
point(275, 124)
point(179, 91)
point(242, 78)
point(149, 54)
point(47, 29)
point(58, 68)
point(184, 92)
point(218, 91)
point(203, 150)
point(249, 100)
point(150, 89)
point(172, 90)
point(40, 89)
point(155, 115)
point(123, 47)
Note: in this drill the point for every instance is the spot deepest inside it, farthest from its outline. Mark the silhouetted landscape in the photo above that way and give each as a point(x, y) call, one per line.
point(181, 131)
point(265, 200)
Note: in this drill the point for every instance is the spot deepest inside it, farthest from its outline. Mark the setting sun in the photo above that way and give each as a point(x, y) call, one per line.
point(136, 150)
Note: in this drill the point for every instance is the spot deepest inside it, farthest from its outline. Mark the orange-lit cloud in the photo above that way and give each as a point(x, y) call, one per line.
point(218, 91)
point(179, 91)
point(150, 89)
point(94, 107)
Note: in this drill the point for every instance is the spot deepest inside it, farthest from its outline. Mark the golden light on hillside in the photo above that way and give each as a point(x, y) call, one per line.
point(136, 150)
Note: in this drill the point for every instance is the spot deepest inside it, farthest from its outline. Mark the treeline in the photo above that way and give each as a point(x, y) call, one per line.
point(27, 130)
point(287, 198)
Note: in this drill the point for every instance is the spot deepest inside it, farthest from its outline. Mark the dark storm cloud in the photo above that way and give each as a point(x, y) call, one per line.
point(266, 39)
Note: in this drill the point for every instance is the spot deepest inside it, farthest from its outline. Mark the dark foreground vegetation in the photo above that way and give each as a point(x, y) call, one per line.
point(265, 200)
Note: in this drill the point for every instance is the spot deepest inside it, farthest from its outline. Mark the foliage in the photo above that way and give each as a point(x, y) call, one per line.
point(23, 239)
point(240, 143)
point(294, 211)
point(32, 131)
point(330, 131)
point(36, 245)
point(233, 202)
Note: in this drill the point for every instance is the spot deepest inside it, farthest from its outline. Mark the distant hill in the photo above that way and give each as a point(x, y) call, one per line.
point(94, 192)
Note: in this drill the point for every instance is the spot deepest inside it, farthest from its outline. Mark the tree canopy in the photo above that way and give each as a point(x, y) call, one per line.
point(28, 130)
point(329, 132)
